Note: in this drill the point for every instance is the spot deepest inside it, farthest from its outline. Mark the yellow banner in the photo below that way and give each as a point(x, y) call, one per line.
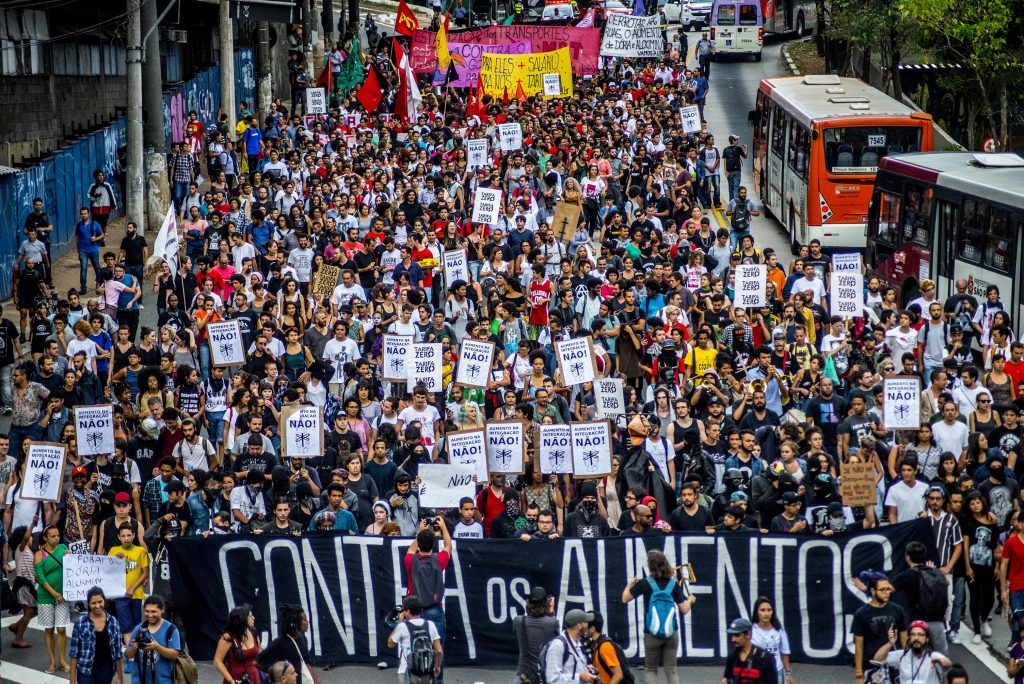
point(501, 73)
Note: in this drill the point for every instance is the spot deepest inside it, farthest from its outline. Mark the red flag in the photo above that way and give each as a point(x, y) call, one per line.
point(481, 108)
point(504, 96)
point(520, 93)
point(405, 21)
point(369, 94)
point(325, 79)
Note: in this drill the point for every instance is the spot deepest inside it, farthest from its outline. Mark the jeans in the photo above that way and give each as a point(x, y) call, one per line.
point(957, 609)
point(733, 178)
point(704, 62)
point(103, 674)
point(7, 385)
point(19, 433)
point(179, 193)
point(660, 652)
point(1016, 597)
point(204, 360)
point(715, 196)
point(735, 236)
point(928, 374)
point(216, 426)
point(436, 615)
point(84, 259)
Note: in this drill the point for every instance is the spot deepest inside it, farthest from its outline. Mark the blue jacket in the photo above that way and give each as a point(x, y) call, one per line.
point(201, 513)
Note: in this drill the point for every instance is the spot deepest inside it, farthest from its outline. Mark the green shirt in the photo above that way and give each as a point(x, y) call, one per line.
point(50, 569)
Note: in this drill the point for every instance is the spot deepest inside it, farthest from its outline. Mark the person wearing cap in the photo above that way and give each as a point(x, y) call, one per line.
point(106, 533)
point(409, 619)
point(790, 520)
point(128, 607)
point(746, 663)
point(80, 505)
point(175, 506)
point(532, 630)
point(873, 621)
point(565, 660)
point(425, 568)
point(587, 521)
point(916, 663)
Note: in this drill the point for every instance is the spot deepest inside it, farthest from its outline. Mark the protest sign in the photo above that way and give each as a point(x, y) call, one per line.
point(82, 572)
point(566, 219)
point(591, 448)
point(844, 263)
point(583, 43)
point(476, 154)
point(901, 407)
point(468, 448)
point(609, 397)
point(847, 293)
point(554, 449)
point(576, 360)
point(510, 136)
point(325, 281)
point(302, 431)
point(474, 366)
point(443, 485)
point(552, 85)
point(506, 447)
point(472, 53)
point(395, 352)
point(751, 286)
point(316, 101)
point(857, 485)
point(94, 429)
point(226, 345)
point(486, 205)
point(630, 35)
point(44, 471)
point(501, 72)
point(691, 119)
point(424, 366)
point(456, 266)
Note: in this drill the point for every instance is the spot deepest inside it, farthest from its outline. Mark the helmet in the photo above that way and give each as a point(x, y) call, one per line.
point(776, 469)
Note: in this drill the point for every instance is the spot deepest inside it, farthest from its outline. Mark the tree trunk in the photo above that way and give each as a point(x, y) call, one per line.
point(895, 57)
point(972, 117)
point(1003, 139)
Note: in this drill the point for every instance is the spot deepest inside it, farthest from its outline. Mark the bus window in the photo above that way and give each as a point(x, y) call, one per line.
point(889, 218)
point(945, 226)
point(778, 130)
point(999, 244)
point(726, 15)
point(857, 149)
point(918, 214)
point(971, 235)
point(748, 15)
point(799, 146)
point(766, 106)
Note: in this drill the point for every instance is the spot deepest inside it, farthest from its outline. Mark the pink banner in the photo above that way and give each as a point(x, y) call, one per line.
point(584, 43)
point(473, 54)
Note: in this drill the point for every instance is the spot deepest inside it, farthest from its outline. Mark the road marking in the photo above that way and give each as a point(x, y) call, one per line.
point(20, 674)
point(33, 624)
point(983, 653)
point(722, 223)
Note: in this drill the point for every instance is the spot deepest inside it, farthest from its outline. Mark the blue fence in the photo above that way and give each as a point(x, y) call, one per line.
point(63, 178)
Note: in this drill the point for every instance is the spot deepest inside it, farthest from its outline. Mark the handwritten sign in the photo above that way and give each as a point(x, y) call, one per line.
point(510, 136)
point(901, 409)
point(474, 366)
point(476, 154)
point(576, 360)
point(443, 485)
point(591, 448)
point(82, 572)
point(395, 353)
point(505, 447)
point(226, 346)
point(468, 448)
point(94, 429)
point(609, 397)
point(552, 85)
point(847, 293)
point(486, 205)
point(628, 35)
point(456, 266)
point(325, 281)
point(44, 471)
point(751, 286)
point(691, 119)
point(302, 431)
point(424, 366)
point(857, 484)
point(554, 449)
point(316, 101)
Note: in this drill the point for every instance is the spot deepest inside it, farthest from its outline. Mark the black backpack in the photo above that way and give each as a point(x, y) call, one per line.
point(627, 675)
point(427, 580)
point(732, 158)
point(421, 650)
point(932, 598)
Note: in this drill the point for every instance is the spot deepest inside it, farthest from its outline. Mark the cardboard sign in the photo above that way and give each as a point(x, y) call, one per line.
point(326, 279)
point(565, 221)
point(302, 431)
point(443, 485)
point(44, 471)
point(395, 352)
point(474, 366)
point(476, 154)
point(82, 572)
point(510, 137)
point(94, 429)
point(847, 293)
point(424, 366)
point(226, 346)
point(506, 447)
point(629, 35)
point(751, 286)
point(554, 449)
point(486, 205)
point(576, 360)
point(609, 397)
point(844, 263)
point(468, 448)
point(901, 409)
point(591, 449)
point(316, 101)
point(857, 485)
point(691, 119)
point(552, 85)
point(456, 266)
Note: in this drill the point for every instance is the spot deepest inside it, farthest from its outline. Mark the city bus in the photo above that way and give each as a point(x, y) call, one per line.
point(817, 144)
point(947, 216)
point(785, 16)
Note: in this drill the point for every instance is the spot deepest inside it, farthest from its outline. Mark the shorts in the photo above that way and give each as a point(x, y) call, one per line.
point(129, 613)
point(54, 615)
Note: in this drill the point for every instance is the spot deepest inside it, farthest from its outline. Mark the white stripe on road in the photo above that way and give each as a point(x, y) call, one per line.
point(982, 653)
point(26, 675)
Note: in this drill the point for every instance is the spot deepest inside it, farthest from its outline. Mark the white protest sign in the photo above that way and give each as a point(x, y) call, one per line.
point(847, 293)
point(554, 449)
point(226, 345)
point(576, 360)
point(510, 136)
point(476, 154)
point(316, 101)
point(628, 35)
point(474, 366)
point(443, 485)
point(486, 205)
point(424, 366)
point(844, 263)
point(691, 119)
point(751, 286)
point(609, 397)
point(591, 449)
point(468, 448)
point(82, 572)
point(395, 352)
point(552, 85)
point(94, 429)
point(902, 408)
point(302, 431)
point(456, 266)
point(44, 471)
point(505, 447)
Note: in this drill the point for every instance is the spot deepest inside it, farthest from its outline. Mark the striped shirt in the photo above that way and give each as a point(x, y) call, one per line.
point(946, 532)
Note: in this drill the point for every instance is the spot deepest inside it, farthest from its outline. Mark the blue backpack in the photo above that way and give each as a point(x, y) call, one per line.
point(662, 619)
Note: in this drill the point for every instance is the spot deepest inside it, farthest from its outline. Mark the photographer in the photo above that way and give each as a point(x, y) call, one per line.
point(235, 658)
point(154, 645)
point(425, 570)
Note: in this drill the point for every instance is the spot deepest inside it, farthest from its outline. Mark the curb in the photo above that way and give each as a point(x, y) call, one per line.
point(789, 60)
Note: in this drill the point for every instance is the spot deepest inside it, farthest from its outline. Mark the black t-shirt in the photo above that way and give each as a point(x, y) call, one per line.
point(183, 513)
point(873, 625)
point(263, 463)
point(366, 278)
point(821, 265)
point(684, 522)
point(827, 414)
point(758, 668)
point(247, 321)
point(132, 248)
point(857, 427)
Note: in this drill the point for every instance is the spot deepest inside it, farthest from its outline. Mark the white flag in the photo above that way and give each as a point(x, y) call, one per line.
point(166, 244)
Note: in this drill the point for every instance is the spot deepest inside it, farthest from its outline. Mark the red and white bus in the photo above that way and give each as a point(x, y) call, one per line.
point(817, 144)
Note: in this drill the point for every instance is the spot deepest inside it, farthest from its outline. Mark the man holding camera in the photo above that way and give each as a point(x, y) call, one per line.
point(154, 645)
point(425, 570)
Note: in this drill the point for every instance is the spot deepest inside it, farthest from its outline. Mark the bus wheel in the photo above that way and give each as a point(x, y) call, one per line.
point(800, 25)
point(757, 57)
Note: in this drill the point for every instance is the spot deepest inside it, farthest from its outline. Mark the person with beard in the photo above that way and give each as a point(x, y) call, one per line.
point(732, 521)
point(510, 522)
point(872, 623)
point(1008, 438)
point(586, 521)
point(826, 411)
point(789, 521)
point(744, 459)
point(918, 663)
point(1002, 492)
point(757, 414)
point(689, 516)
point(905, 498)
point(643, 519)
point(632, 498)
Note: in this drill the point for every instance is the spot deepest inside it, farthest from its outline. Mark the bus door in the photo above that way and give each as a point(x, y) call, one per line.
point(987, 251)
point(777, 165)
point(947, 218)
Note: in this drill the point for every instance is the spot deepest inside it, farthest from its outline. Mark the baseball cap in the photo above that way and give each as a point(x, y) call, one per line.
point(835, 508)
point(740, 496)
point(122, 497)
point(787, 498)
point(739, 626)
point(538, 594)
point(78, 471)
point(576, 616)
point(151, 427)
point(715, 401)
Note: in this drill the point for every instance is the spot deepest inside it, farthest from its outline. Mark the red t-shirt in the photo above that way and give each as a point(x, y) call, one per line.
point(1013, 550)
point(428, 272)
point(442, 560)
point(1016, 372)
point(495, 505)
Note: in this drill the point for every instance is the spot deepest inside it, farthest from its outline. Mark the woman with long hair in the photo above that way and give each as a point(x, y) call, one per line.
point(981, 536)
point(238, 647)
point(24, 586)
point(54, 611)
point(290, 646)
point(99, 629)
point(543, 493)
point(984, 418)
point(769, 635)
point(923, 446)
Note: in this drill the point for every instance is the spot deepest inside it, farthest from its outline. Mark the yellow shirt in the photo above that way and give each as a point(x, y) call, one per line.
point(700, 360)
point(136, 565)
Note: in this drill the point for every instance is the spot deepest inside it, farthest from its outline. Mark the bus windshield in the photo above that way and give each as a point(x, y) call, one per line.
point(857, 149)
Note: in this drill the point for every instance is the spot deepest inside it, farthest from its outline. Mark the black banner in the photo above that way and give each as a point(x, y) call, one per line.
point(348, 584)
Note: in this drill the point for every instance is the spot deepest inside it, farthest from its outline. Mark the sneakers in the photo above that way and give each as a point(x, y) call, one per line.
point(954, 638)
point(976, 639)
point(986, 630)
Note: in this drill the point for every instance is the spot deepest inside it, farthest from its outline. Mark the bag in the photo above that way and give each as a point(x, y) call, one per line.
point(421, 650)
point(427, 580)
point(732, 159)
point(543, 658)
point(932, 598)
point(662, 618)
point(741, 216)
point(627, 675)
point(185, 669)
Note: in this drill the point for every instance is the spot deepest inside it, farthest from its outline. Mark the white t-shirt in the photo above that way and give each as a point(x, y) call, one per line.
point(388, 261)
point(249, 506)
point(343, 295)
point(816, 286)
point(966, 398)
point(909, 502)
point(24, 509)
point(900, 343)
point(403, 641)
point(302, 261)
point(659, 451)
point(923, 670)
point(340, 353)
point(472, 531)
point(951, 438)
point(774, 641)
point(427, 417)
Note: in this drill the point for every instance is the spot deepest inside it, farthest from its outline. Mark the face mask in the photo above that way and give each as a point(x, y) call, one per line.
point(998, 474)
point(589, 507)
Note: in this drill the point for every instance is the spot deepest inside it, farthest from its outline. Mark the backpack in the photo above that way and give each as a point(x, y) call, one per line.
point(932, 598)
point(427, 580)
point(662, 618)
point(741, 215)
point(421, 650)
point(732, 159)
point(543, 658)
point(185, 669)
point(627, 675)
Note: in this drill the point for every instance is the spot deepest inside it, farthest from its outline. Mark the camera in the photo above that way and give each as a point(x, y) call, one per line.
point(143, 638)
point(391, 619)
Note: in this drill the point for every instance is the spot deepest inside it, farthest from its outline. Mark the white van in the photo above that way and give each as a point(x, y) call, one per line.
point(737, 28)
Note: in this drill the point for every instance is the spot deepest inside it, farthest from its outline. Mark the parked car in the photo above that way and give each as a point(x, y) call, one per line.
point(558, 13)
point(615, 7)
point(692, 14)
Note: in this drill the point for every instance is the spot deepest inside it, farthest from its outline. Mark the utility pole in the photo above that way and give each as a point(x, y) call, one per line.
point(263, 88)
point(134, 202)
point(156, 189)
point(227, 65)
